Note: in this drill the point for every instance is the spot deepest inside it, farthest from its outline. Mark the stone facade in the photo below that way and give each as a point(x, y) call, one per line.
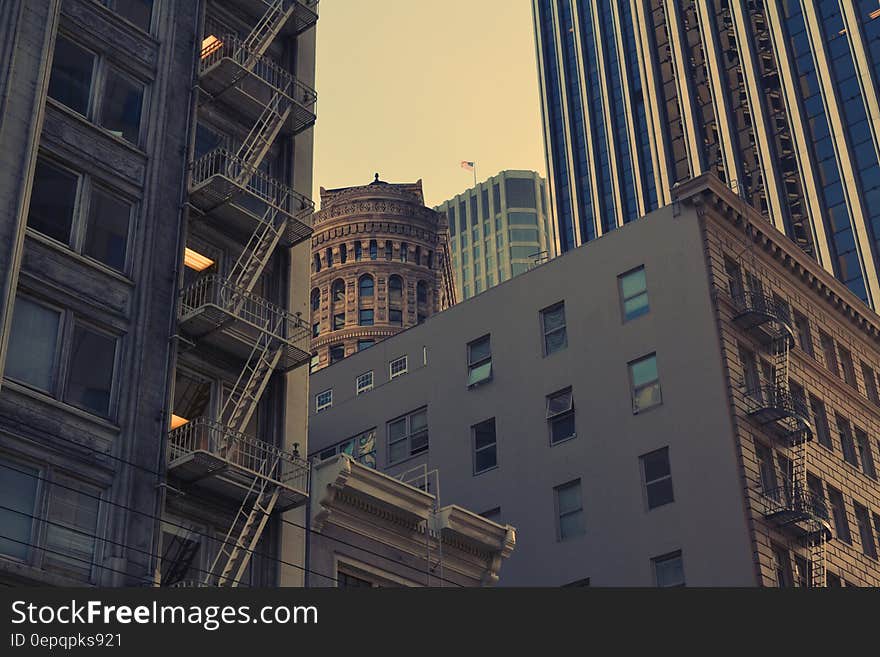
point(380, 264)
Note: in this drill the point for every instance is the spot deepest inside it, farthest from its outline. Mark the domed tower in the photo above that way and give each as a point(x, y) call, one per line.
point(380, 264)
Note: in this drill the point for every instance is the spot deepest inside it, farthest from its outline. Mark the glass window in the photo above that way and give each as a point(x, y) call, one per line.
point(669, 570)
point(107, 229)
point(365, 317)
point(870, 378)
point(479, 362)
point(569, 510)
point(805, 338)
point(820, 418)
point(339, 321)
point(645, 383)
point(828, 351)
point(657, 476)
point(866, 536)
point(364, 382)
point(72, 71)
point(522, 218)
point(33, 344)
point(395, 317)
point(374, 250)
point(338, 291)
point(323, 400)
point(520, 193)
point(343, 254)
point(838, 513)
point(553, 326)
point(408, 436)
point(496, 198)
point(866, 458)
point(72, 529)
point(781, 566)
point(395, 290)
point(398, 367)
point(92, 361)
point(485, 446)
point(337, 353)
point(366, 286)
point(847, 444)
point(404, 252)
point(389, 250)
point(121, 107)
point(560, 416)
point(422, 292)
point(524, 235)
point(365, 344)
point(53, 200)
point(633, 293)
point(18, 492)
point(846, 364)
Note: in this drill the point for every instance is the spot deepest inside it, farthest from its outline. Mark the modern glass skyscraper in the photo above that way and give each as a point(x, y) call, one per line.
point(779, 98)
point(498, 229)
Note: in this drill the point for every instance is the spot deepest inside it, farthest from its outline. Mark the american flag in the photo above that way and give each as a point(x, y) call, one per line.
point(467, 165)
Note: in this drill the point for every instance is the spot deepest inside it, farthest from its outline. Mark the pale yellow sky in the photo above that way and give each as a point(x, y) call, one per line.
point(410, 88)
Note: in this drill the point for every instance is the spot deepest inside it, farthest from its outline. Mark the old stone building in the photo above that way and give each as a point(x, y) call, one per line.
point(380, 264)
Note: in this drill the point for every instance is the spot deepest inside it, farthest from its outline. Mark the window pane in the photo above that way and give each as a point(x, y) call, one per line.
point(485, 459)
point(91, 370)
point(636, 306)
point(647, 396)
point(18, 492)
point(74, 517)
point(633, 283)
point(419, 442)
point(554, 318)
point(559, 403)
point(644, 371)
point(555, 341)
point(520, 193)
point(569, 497)
point(71, 79)
point(660, 493)
point(669, 571)
point(398, 451)
point(562, 428)
point(479, 350)
point(32, 343)
point(107, 233)
point(52, 201)
point(522, 219)
point(572, 525)
point(121, 106)
point(397, 430)
point(480, 373)
point(138, 12)
point(656, 464)
point(484, 434)
point(418, 421)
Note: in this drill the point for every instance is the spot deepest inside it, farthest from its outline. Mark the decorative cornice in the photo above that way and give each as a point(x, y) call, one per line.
point(708, 190)
point(389, 208)
point(458, 525)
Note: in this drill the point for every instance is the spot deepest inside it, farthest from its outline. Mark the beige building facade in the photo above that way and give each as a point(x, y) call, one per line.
point(690, 400)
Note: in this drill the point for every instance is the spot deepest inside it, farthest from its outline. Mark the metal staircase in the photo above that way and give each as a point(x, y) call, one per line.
point(259, 140)
point(268, 27)
point(792, 507)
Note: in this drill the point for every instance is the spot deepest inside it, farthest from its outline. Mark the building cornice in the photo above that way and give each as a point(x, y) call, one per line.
point(458, 525)
point(708, 191)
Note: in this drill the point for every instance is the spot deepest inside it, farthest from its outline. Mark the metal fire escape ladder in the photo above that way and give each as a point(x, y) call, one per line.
point(241, 540)
point(255, 256)
point(268, 27)
point(256, 145)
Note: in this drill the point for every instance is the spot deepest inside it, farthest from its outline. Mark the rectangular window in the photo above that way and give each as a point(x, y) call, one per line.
point(870, 378)
point(569, 510)
point(657, 476)
point(782, 567)
point(633, 288)
point(553, 327)
point(479, 362)
point(18, 492)
point(72, 72)
point(123, 100)
point(668, 570)
point(846, 363)
point(314, 362)
point(364, 382)
point(484, 200)
point(838, 513)
point(395, 317)
point(820, 419)
point(866, 458)
point(365, 344)
point(846, 441)
point(398, 367)
point(560, 416)
point(33, 344)
point(338, 321)
point(805, 338)
point(866, 536)
point(520, 193)
point(751, 378)
point(90, 376)
point(408, 436)
point(106, 238)
point(365, 317)
point(316, 329)
point(734, 280)
point(337, 353)
point(645, 383)
point(485, 446)
point(71, 529)
point(828, 351)
point(766, 469)
point(53, 201)
point(323, 400)
point(817, 492)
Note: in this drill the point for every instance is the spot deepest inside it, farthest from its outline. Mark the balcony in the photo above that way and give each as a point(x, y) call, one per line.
point(218, 313)
point(305, 13)
point(238, 208)
point(795, 510)
point(786, 416)
point(218, 460)
point(763, 317)
point(230, 71)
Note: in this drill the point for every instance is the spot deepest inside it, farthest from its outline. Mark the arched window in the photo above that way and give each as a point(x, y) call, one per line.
point(389, 250)
point(317, 262)
point(365, 286)
point(329, 257)
point(418, 255)
point(374, 250)
point(316, 299)
point(343, 254)
point(422, 292)
point(395, 290)
point(338, 291)
point(357, 251)
point(404, 251)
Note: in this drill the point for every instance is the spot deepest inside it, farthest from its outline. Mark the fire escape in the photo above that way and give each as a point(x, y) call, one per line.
point(222, 313)
point(792, 508)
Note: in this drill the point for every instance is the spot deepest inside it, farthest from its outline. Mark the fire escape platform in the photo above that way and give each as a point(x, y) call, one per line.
point(221, 462)
point(763, 318)
point(783, 416)
point(214, 312)
point(248, 91)
point(800, 515)
point(305, 13)
point(238, 208)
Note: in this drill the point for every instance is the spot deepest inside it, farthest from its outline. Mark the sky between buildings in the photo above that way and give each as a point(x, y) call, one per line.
point(410, 88)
